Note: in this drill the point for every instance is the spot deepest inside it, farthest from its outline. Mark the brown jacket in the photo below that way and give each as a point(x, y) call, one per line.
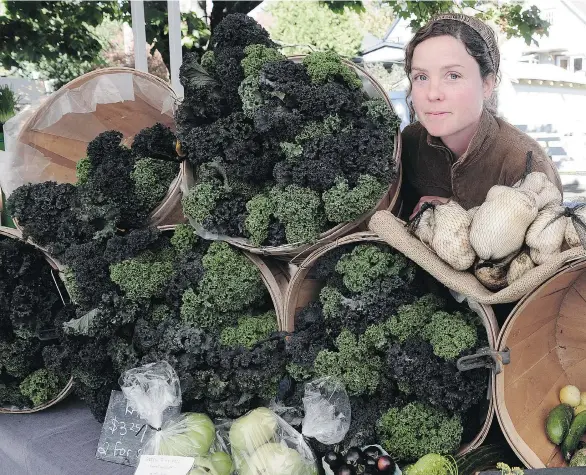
point(496, 156)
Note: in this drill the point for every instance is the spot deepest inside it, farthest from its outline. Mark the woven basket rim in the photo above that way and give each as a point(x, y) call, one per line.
point(297, 251)
point(16, 234)
point(488, 319)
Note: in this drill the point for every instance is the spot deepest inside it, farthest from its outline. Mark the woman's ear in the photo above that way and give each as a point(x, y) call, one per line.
point(488, 85)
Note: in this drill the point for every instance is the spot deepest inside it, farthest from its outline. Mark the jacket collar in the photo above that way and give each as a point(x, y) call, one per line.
point(485, 136)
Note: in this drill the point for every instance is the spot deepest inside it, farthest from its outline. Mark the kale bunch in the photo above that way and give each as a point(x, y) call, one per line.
point(30, 307)
point(148, 296)
point(374, 329)
point(281, 151)
point(117, 188)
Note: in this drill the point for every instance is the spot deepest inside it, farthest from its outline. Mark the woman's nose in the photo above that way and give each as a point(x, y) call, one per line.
point(435, 91)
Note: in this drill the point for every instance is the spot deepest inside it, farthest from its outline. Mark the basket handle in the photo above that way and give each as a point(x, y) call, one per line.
point(485, 358)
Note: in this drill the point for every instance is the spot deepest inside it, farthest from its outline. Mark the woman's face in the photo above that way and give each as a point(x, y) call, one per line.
point(448, 92)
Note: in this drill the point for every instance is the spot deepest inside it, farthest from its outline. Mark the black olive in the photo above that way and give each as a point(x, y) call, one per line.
point(353, 457)
point(385, 464)
point(373, 452)
point(333, 459)
point(345, 470)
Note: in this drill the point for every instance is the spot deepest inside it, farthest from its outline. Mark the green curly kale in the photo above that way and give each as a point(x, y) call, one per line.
point(82, 170)
point(300, 211)
point(145, 276)
point(184, 238)
point(354, 364)
point(256, 57)
point(331, 300)
point(327, 66)
point(344, 204)
point(208, 61)
point(315, 130)
point(250, 96)
point(412, 318)
point(231, 283)
point(159, 313)
point(367, 264)
point(250, 330)
point(260, 209)
point(299, 373)
point(152, 179)
point(450, 334)
point(201, 200)
point(40, 387)
point(380, 113)
point(410, 432)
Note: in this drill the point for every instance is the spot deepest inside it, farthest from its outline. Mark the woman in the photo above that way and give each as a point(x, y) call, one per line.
point(459, 149)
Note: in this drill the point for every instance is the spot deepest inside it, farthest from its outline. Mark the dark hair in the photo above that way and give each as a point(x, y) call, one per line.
point(473, 42)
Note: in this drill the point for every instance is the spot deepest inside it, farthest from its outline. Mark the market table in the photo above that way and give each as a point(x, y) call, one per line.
point(61, 440)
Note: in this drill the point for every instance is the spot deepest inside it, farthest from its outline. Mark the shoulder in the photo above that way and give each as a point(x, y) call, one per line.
point(518, 142)
point(516, 146)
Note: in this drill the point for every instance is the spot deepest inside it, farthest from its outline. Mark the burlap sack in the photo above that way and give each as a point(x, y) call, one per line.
point(499, 226)
point(394, 232)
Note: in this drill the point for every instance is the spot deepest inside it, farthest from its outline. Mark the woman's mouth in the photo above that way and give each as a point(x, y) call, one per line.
point(437, 114)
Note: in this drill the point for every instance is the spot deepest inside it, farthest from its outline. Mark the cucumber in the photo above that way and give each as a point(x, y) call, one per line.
point(558, 423)
point(575, 433)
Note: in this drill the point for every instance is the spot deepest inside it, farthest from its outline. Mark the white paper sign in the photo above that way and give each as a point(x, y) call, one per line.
point(164, 465)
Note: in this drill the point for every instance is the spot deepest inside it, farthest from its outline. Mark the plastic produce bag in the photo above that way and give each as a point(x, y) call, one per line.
point(327, 411)
point(264, 444)
point(150, 390)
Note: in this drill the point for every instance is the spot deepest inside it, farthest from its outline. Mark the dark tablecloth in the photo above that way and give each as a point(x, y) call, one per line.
point(59, 441)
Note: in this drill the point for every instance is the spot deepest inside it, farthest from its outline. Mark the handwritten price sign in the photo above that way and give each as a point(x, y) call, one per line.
point(124, 433)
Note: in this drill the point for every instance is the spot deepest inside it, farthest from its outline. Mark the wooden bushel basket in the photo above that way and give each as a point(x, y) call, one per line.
point(546, 337)
point(15, 234)
point(55, 137)
point(304, 289)
point(390, 200)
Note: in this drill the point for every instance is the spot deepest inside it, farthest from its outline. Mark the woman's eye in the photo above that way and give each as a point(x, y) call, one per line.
point(420, 77)
point(454, 76)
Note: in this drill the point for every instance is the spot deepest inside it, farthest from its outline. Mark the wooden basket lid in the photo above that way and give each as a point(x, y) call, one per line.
point(303, 289)
point(546, 337)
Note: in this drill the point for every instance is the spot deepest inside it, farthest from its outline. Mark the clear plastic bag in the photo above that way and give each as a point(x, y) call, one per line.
point(153, 388)
point(262, 443)
point(327, 411)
